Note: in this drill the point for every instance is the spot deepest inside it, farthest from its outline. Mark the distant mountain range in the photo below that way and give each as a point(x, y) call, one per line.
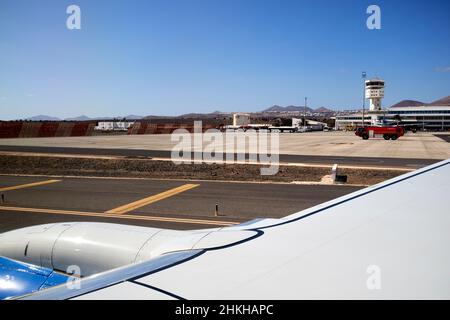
point(413, 103)
point(441, 102)
point(43, 117)
point(79, 118)
point(133, 117)
point(277, 108)
point(216, 114)
point(408, 103)
point(323, 110)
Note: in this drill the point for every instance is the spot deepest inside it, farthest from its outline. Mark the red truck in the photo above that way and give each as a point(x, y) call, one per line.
point(386, 132)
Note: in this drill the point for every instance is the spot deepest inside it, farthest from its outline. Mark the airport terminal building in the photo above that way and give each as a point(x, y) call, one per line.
point(426, 117)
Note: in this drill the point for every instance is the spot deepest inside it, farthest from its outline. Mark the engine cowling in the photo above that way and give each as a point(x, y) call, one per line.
point(87, 248)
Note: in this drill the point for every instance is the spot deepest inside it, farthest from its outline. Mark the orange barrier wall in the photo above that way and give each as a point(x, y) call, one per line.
point(47, 130)
point(10, 130)
point(82, 129)
point(20, 129)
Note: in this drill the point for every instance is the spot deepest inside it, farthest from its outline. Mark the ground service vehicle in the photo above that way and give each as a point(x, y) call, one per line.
point(387, 133)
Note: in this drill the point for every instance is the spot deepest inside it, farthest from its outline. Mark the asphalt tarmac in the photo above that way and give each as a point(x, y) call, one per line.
point(410, 163)
point(172, 204)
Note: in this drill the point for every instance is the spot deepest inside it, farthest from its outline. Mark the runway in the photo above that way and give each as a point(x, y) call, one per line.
point(327, 146)
point(174, 204)
point(410, 163)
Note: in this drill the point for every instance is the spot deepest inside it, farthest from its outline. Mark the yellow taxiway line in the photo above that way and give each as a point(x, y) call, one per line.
point(122, 216)
point(34, 184)
point(143, 202)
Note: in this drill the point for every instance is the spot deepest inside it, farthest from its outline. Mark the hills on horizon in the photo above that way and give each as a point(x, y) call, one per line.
point(43, 117)
point(414, 103)
point(445, 101)
point(277, 108)
point(441, 102)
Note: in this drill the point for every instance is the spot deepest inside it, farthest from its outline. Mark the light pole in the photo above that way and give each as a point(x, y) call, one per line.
point(364, 97)
point(304, 114)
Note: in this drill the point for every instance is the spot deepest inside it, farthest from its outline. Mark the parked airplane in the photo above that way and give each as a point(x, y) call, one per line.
point(387, 241)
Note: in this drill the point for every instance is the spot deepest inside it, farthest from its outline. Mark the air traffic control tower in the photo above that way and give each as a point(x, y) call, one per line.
point(375, 92)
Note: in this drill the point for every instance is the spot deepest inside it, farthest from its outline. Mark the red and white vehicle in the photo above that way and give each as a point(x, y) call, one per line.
point(392, 132)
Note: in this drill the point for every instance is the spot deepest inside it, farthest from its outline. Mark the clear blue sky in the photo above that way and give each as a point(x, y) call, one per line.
point(173, 57)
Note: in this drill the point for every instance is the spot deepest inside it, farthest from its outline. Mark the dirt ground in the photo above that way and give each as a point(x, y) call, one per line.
point(144, 168)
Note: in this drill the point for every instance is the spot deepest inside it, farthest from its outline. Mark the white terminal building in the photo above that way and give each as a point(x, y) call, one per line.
point(113, 125)
point(421, 117)
point(241, 119)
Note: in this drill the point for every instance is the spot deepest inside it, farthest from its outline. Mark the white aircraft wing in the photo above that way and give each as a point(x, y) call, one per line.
point(388, 241)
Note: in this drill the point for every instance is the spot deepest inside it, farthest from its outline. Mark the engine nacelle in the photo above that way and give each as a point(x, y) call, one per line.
point(87, 248)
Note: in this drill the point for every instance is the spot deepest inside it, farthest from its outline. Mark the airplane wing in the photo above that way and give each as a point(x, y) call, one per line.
point(388, 241)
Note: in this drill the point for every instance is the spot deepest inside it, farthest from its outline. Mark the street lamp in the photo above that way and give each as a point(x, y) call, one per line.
point(364, 74)
point(304, 115)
